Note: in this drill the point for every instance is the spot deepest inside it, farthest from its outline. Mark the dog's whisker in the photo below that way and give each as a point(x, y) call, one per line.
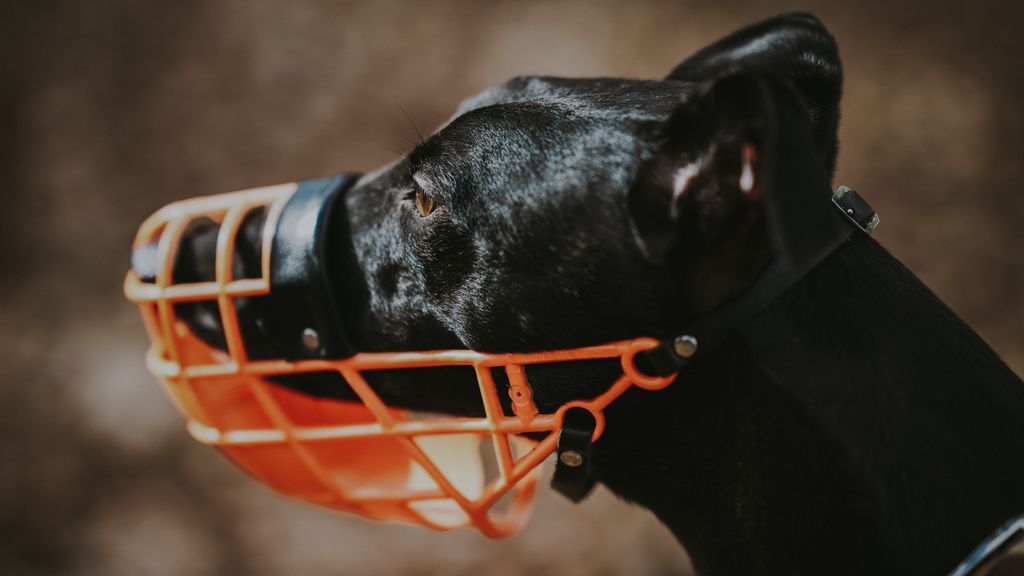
point(411, 123)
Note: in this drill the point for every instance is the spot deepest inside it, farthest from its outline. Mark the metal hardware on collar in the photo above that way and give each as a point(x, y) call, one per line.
point(855, 208)
point(685, 346)
point(571, 458)
point(572, 477)
point(310, 339)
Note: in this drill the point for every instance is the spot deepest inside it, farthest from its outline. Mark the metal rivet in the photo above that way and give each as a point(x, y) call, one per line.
point(571, 458)
point(685, 346)
point(310, 339)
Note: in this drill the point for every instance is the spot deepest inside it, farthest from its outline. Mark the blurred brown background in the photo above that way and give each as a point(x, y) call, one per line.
point(109, 109)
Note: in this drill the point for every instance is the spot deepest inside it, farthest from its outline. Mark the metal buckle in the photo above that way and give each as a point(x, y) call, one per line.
point(855, 208)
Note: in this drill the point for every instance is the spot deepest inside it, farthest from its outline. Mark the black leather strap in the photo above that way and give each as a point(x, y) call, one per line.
point(852, 216)
point(573, 477)
point(302, 298)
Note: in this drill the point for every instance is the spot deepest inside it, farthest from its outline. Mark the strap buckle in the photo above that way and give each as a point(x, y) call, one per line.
point(855, 208)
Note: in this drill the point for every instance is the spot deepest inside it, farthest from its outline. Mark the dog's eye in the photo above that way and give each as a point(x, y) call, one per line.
point(425, 203)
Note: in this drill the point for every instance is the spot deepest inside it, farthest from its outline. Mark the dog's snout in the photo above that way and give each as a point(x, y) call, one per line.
point(143, 262)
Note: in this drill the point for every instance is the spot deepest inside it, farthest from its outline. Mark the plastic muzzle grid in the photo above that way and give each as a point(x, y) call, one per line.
point(362, 457)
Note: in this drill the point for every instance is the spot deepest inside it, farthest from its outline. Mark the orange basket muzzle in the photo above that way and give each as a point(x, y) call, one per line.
point(359, 456)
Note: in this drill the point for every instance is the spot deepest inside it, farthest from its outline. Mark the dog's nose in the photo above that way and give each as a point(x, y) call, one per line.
point(195, 261)
point(195, 256)
point(143, 262)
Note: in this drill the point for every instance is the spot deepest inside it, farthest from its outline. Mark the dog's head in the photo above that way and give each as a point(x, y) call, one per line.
point(550, 213)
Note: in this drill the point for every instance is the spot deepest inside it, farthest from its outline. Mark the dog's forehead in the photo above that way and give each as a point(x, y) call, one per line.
point(611, 97)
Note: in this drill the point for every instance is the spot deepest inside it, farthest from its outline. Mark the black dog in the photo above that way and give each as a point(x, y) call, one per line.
point(855, 426)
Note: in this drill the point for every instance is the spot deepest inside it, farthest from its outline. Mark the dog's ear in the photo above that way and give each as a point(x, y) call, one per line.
point(795, 46)
point(737, 180)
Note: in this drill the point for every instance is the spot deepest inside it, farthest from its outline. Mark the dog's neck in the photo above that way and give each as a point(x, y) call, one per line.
point(856, 426)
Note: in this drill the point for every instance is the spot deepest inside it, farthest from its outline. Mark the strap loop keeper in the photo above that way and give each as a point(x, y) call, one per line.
point(573, 477)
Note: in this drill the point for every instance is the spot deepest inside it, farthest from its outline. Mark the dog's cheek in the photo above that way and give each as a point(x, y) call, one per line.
point(446, 255)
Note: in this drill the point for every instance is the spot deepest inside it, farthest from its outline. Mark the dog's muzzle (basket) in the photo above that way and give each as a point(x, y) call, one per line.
point(359, 456)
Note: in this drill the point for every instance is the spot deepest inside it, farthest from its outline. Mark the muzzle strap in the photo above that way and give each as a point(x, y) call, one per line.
point(573, 477)
point(306, 318)
point(673, 354)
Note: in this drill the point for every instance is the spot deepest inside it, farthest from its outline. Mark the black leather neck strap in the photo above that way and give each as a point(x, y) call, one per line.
point(573, 478)
point(853, 215)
